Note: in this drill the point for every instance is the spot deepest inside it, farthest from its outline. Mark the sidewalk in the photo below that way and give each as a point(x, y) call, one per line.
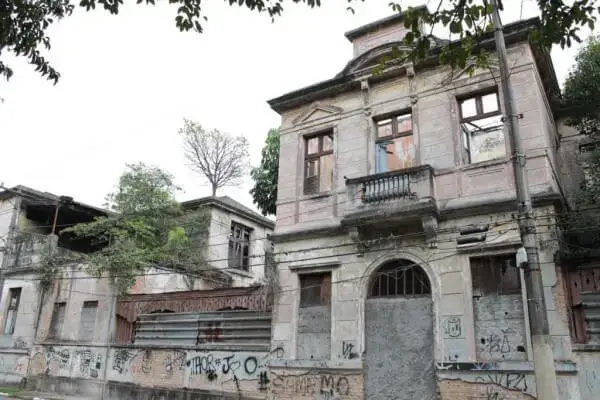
point(25, 395)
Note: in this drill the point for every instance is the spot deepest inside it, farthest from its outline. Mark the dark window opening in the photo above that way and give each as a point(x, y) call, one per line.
point(482, 129)
point(394, 146)
point(315, 289)
point(495, 275)
point(58, 320)
point(318, 163)
point(13, 309)
point(239, 247)
point(400, 278)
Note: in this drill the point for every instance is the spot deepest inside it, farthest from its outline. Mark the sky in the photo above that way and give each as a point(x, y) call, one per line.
point(128, 81)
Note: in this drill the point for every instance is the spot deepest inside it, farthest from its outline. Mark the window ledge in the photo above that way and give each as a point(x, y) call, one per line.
point(240, 272)
point(586, 347)
point(316, 195)
point(314, 268)
point(484, 164)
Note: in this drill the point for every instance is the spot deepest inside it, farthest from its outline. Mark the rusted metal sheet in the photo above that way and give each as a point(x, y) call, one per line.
point(254, 299)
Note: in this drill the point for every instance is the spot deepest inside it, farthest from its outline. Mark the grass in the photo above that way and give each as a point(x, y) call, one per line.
point(9, 390)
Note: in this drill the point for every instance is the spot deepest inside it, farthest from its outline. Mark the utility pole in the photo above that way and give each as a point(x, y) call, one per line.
point(545, 374)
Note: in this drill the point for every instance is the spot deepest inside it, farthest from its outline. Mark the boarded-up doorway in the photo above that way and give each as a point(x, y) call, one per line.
point(399, 360)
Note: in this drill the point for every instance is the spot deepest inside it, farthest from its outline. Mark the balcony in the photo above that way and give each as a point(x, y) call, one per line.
point(401, 195)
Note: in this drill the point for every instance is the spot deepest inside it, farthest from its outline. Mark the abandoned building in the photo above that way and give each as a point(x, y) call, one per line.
point(80, 320)
point(396, 232)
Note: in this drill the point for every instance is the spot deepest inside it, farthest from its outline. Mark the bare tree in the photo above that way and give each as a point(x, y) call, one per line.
point(222, 158)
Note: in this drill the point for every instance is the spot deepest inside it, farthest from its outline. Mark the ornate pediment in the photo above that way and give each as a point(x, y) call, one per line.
point(317, 111)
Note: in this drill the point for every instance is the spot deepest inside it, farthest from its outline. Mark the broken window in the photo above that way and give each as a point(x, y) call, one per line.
point(318, 163)
point(495, 275)
point(87, 323)
point(394, 146)
point(315, 289)
point(399, 278)
point(314, 317)
point(498, 309)
point(482, 129)
point(58, 320)
point(13, 308)
point(239, 246)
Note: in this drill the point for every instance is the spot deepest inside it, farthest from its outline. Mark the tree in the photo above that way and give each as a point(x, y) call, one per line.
point(23, 25)
point(581, 104)
point(146, 228)
point(222, 158)
point(264, 192)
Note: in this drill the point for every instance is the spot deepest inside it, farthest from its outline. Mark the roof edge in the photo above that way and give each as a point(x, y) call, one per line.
point(379, 24)
point(216, 201)
point(290, 99)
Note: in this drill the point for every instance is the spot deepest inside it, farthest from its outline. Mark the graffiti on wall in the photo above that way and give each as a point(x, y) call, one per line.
point(452, 327)
point(349, 350)
point(11, 364)
point(320, 386)
point(77, 362)
point(219, 370)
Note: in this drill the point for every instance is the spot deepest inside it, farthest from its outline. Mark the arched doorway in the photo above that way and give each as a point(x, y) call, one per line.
point(399, 345)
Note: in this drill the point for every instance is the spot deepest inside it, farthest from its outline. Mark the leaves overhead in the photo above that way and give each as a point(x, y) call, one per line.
point(264, 191)
point(148, 228)
point(220, 157)
point(23, 25)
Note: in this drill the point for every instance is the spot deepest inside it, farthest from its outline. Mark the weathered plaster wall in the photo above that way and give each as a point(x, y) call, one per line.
point(77, 288)
point(589, 376)
point(314, 333)
point(13, 366)
point(500, 328)
point(233, 372)
point(22, 337)
point(436, 140)
point(320, 383)
point(399, 360)
point(218, 245)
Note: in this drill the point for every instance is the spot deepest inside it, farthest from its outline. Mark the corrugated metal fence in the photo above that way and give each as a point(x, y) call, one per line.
point(243, 329)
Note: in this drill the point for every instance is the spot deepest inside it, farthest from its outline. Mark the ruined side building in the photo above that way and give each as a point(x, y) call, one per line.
point(59, 337)
point(396, 231)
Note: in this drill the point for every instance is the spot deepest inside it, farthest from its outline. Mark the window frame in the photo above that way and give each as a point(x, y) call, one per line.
point(394, 129)
point(13, 293)
point(56, 332)
point(479, 115)
point(244, 261)
point(307, 282)
point(316, 157)
point(87, 303)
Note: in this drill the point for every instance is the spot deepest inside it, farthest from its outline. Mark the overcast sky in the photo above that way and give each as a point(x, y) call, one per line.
point(129, 80)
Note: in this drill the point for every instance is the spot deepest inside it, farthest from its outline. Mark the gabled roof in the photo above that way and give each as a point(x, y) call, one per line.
point(346, 80)
point(230, 205)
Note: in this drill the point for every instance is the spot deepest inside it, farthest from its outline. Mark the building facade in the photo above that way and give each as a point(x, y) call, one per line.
point(396, 230)
point(80, 309)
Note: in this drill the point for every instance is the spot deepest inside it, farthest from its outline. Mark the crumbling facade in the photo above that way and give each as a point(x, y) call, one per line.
point(82, 311)
point(396, 230)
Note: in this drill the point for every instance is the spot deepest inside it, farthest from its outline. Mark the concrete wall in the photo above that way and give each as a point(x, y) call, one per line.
point(500, 328)
point(314, 333)
point(399, 360)
point(83, 370)
point(77, 288)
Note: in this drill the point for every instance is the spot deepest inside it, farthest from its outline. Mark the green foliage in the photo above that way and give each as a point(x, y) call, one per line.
point(264, 191)
point(581, 104)
point(147, 228)
point(581, 95)
point(23, 25)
